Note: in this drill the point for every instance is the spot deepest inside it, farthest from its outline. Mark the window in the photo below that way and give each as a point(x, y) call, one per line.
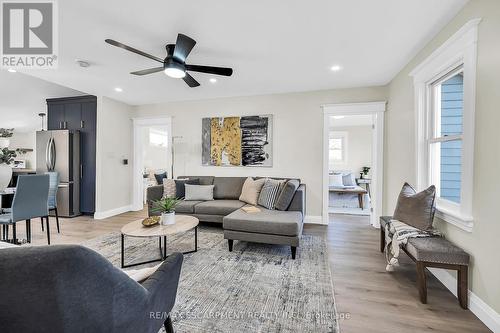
point(158, 138)
point(337, 143)
point(445, 105)
point(445, 142)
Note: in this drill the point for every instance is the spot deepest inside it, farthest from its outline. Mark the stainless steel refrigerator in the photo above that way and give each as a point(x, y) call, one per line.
point(60, 151)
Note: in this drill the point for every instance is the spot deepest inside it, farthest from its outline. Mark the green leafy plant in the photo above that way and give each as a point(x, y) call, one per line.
point(365, 170)
point(7, 155)
point(165, 205)
point(6, 132)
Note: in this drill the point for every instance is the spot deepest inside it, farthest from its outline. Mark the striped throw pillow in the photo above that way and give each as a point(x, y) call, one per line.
point(270, 193)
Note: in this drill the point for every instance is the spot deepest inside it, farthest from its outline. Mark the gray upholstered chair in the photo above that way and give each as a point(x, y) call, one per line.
point(52, 202)
point(30, 201)
point(69, 288)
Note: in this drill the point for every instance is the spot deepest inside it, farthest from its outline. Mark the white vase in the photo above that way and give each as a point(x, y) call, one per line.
point(5, 176)
point(168, 218)
point(4, 143)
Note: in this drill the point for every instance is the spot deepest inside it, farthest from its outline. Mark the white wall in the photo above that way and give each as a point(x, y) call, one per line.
point(25, 140)
point(114, 143)
point(359, 148)
point(298, 133)
point(482, 243)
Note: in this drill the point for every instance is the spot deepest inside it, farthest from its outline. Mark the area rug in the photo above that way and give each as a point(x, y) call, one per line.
point(255, 288)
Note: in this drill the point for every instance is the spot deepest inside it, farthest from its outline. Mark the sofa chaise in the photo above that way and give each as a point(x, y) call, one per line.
point(266, 226)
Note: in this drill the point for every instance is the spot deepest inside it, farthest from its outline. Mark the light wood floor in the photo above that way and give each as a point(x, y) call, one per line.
point(375, 301)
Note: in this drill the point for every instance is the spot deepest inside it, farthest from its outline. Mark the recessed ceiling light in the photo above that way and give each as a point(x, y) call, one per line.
point(213, 80)
point(11, 70)
point(338, 117)
point(335, 68)
point(118, 89)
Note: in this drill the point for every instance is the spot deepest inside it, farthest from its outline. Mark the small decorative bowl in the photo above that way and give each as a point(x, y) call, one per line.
point(151, 221)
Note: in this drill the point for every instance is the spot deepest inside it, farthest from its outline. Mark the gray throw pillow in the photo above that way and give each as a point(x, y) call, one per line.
point(199, 192)
point(286, 196)
point(270, 192)
point(348, 180)
point(416, 209)
point(180, 186)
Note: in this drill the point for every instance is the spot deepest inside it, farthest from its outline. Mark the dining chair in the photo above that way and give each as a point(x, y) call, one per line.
point(53, 186)
point(30, 201)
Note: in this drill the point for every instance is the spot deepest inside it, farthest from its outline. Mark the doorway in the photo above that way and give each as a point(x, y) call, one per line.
point(152, 156)
point(353, 160)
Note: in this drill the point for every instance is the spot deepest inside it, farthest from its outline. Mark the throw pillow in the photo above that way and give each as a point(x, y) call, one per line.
point(251, 190)
point(270, 192)
point(159, 177)
point(168, 188)
point(348, 179)
point(286, 196)
point(180, 186)
point(336, 180)
point(416, 209)
point(199, 192)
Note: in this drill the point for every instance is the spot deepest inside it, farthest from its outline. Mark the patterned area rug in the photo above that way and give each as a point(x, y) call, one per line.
point(255, 288)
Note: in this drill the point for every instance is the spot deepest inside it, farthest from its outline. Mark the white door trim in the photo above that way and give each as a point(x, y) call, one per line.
point(377, 109)
point(137, 180)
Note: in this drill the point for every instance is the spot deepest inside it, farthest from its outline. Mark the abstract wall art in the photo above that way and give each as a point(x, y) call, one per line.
point(237, 141)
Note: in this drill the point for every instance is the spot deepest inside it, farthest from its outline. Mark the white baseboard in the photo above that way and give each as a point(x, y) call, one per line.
point(483, 311)
point(310, 219)
point(111, 212)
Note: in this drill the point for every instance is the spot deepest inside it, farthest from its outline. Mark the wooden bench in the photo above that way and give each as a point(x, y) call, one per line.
point(434, 252)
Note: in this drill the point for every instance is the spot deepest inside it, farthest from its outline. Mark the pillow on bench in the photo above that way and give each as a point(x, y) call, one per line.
point(416, 209)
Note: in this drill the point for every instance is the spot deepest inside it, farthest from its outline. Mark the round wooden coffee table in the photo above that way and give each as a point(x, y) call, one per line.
point(182, 224)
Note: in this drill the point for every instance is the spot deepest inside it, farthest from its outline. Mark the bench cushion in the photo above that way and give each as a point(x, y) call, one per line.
point(218, 207)
point(437, 250)
point(285, 223)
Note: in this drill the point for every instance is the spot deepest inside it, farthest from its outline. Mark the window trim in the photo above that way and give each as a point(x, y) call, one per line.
point(459, 50)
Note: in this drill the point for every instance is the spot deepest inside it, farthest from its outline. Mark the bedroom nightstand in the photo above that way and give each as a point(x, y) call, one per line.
point(366, 182)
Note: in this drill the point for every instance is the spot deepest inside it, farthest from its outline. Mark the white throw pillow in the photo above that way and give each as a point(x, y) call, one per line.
point(251, 190)
point(336, 180)
point(199, 192)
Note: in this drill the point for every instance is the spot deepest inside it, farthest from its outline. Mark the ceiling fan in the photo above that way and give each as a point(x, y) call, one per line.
point(174, 64)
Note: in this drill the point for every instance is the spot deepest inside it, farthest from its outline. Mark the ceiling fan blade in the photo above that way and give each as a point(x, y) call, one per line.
point(183, 47)
point(210, 70)
point(148, 71)
point(191, 81)
point(131, 49)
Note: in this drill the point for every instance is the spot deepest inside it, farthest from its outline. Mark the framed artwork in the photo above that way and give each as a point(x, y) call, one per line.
point(237, 141)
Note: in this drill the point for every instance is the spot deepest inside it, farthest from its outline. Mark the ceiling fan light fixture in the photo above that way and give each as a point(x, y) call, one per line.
point(174, 72)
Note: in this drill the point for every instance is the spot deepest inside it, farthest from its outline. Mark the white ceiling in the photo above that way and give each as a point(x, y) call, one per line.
point(22, 98)
point(356, 120)
point(274, 46)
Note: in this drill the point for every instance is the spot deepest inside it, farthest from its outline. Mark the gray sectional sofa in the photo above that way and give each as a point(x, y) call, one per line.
point(266, 226)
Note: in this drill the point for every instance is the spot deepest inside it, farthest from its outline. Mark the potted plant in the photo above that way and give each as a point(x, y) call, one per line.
point(166, 207)
point(5, 134)
point(364, 171)
point(6, 158)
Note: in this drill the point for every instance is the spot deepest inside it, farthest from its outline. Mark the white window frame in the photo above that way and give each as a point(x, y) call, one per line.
point(459, 50)
point(345, 137)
